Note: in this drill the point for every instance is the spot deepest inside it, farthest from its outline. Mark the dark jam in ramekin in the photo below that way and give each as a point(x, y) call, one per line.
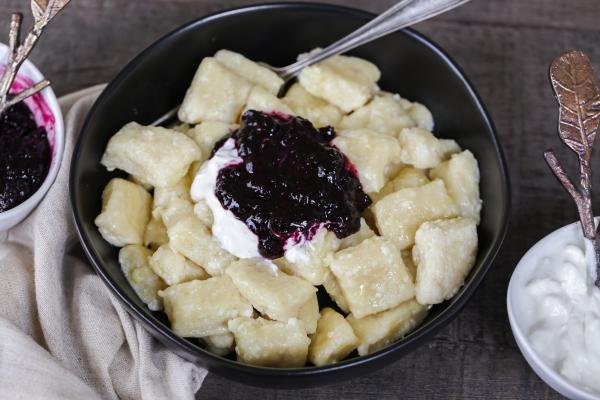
point(25, 156)
point(291, 182)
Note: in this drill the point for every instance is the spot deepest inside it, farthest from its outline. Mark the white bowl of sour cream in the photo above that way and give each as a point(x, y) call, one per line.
point(554, 313)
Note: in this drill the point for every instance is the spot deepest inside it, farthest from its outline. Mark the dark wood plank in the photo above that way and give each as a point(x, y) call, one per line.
point(505, 47)
point(93, 39)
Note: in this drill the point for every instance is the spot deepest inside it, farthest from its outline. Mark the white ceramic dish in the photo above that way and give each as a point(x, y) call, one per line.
point(517, 314)
point(47, 112)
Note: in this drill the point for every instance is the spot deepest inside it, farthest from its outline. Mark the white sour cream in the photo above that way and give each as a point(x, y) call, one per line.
point(298, 250)
point(562, 306)
point(232, 234)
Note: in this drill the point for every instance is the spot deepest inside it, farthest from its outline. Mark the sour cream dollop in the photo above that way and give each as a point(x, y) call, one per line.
point(232, 234)
point(563, 307)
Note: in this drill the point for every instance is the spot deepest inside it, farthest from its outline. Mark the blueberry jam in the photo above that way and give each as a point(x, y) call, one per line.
point(291, 182)
point(24, 156)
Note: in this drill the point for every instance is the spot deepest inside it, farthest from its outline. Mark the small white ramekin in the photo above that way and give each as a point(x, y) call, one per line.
point(517, 315)
point(12, 217)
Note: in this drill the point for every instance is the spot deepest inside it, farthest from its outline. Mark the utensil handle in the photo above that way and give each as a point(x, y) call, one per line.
point(401, 15)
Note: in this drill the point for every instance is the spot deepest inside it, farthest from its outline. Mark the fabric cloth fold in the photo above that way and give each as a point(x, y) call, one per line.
point(63, 335)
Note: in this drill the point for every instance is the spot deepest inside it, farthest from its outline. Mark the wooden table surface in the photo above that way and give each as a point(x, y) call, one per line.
point(505, 47)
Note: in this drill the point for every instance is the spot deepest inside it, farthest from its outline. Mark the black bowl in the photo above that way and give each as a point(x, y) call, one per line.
point(156, 81)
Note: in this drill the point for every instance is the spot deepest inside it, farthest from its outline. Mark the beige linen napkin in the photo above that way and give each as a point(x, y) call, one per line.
point(62, 333)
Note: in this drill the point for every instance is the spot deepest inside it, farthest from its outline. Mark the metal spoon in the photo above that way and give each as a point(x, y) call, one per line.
point(401, 15)
point(43, 12)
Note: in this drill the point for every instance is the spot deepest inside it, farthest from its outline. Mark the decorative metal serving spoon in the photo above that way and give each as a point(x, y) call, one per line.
point(43, 12)
point(401, 15)
point(575, 86)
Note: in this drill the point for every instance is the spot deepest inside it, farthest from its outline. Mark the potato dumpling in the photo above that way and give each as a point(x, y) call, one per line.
point(363, 233)
point(203, 212)
point(272, 292)
point(376, 331)
point(420, 148)
point(448, 147)
point(409, 263)
point(270, 343)
point(310, 260)
point(194, 168)
point(333, 289)
point(399, 215)
point(461, 177)
point(174, 268)
point(383, 114)
point(146, 284)
point(261, 100)
point(250, 70)
point(315, 109)
point(215, 94)
point(139, 181)
point(309, 314)
point(419, 113)
point(182, 127)
point(202, 308)
point(333, 341)
point(155, 155)
point(372, 276)
point(444, 253)
point(346, 82)
point(220, 344)
point(125, 213)
point(163, 195)
point(207, 134)
point(371, 153)
point(155, 234)
point(176, 210)
point(192, 239)
point(407, 177)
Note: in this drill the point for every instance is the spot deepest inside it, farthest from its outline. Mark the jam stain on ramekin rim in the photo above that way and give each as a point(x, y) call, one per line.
point(291, 182)
point(37, 105)
point(28, 158)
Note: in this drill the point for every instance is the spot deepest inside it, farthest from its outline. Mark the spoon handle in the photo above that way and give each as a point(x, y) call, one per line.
point(401, 15)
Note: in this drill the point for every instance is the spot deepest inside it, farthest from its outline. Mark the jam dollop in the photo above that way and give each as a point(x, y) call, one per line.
point(24, 156)
point(290, 183)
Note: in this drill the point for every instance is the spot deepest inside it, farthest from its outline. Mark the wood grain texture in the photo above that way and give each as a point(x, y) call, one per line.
point(505, 47)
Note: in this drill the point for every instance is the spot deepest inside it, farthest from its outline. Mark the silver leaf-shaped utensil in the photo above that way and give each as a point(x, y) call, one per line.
point(38, 7)
point(577, 93)
point(574, 83)
point(54, 7)
point(43, 12)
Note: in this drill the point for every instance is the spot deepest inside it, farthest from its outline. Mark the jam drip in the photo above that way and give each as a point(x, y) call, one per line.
point(291, 182)
point(24, 156)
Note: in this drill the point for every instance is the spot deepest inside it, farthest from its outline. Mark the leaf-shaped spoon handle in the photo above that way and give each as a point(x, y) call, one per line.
point(44, 10)
point(574, 83)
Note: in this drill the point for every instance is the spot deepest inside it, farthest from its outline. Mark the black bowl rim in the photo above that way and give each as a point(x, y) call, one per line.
point(394, 350)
